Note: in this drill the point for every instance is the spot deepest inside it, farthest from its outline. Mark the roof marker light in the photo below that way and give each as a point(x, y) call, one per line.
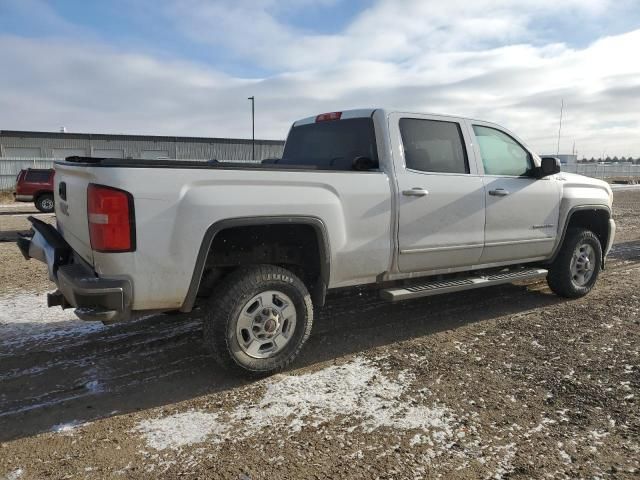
point(327, 117)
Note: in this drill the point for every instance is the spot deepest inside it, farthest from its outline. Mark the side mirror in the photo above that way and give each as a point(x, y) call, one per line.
point(363, 163)
point(549, 166)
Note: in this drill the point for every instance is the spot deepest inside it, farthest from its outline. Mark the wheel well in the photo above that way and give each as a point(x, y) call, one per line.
point(596, 220)
point(39, 194)
point(299, 248)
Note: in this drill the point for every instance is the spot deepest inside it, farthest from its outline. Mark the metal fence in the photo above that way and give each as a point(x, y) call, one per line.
point(10, 167)
point(604, 171)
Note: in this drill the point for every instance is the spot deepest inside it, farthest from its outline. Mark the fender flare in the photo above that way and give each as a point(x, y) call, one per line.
point(565, 227)
point(318, 225)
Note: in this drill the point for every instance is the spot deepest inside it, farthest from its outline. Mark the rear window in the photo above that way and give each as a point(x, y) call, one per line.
point(331, 145)
point(38, 176)
point(433, 146)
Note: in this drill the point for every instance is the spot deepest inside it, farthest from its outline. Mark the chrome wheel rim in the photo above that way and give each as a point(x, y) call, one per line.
point(266, 324)
point(583, 264)
point(47, 204)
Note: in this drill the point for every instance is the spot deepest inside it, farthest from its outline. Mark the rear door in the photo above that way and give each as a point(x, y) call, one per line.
point(440, 193)
point(521, 210)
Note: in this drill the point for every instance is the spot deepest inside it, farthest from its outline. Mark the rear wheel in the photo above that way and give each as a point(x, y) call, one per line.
point(259, 320)
point(577, 266)
point(44, 203)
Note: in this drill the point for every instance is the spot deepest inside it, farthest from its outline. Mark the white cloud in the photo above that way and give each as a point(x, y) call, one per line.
point(390, 30)
point(488, 59)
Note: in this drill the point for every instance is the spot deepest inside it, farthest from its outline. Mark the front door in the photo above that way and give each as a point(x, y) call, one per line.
point(521, 210)
point(440, 194)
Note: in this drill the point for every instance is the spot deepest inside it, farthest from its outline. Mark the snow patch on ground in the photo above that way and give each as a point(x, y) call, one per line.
point(358, 391)
point(25, 318)
point(617, 186)
point(67, 428)
point(505, 465)
point(181, 429)
point(15, 475)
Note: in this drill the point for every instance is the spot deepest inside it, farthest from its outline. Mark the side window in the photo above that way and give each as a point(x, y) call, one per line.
point(38, 176)
point(433, 146)
point(501, 154)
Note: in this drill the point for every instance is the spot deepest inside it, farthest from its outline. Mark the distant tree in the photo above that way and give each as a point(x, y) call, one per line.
point(593, 160)
point(608, 159)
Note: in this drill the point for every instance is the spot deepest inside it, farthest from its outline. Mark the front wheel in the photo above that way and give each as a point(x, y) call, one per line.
point(575, 270)
point(259, 320)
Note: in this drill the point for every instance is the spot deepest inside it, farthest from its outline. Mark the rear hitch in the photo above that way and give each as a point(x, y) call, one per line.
point(57, 299)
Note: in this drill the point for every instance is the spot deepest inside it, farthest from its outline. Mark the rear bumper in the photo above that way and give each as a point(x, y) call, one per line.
point(94, 298)
point(22, 198)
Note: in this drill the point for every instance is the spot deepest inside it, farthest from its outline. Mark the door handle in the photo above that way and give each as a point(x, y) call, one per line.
point(499, 192)
point(415, 192)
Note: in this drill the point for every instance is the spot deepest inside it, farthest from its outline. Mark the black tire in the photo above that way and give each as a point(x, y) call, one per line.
point(44, 203)
point(226, 306)
point(561, 280)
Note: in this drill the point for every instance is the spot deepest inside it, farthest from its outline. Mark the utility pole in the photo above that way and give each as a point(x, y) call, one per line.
point(253, 127)
point(560, 127)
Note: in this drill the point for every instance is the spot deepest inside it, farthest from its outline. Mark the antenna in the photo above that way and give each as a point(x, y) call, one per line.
point(560, 127)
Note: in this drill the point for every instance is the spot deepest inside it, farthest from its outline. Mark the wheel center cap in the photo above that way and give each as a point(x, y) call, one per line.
point(270, 325)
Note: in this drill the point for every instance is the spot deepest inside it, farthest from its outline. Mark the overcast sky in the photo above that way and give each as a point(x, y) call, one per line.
point(186, 67)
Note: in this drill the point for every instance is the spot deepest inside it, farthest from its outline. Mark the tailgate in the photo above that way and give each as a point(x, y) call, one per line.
point(70, 192)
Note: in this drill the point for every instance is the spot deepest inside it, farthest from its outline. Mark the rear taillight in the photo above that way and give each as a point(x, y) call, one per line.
point(111, 219)
point(327, 117)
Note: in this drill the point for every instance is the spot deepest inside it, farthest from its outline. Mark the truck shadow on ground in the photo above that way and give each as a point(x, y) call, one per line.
point(48, 383)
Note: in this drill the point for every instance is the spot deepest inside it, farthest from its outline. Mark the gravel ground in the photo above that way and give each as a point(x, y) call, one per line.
point(14, 220)
point(506, 382)
point(6, 198)
point(626, 211)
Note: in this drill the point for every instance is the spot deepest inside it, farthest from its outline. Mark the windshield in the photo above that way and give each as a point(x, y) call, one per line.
point(331, 145)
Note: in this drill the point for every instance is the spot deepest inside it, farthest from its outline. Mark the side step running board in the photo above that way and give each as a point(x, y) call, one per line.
point(459, 284)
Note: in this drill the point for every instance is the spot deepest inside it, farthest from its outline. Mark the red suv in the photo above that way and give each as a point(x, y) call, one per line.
point(35, 185)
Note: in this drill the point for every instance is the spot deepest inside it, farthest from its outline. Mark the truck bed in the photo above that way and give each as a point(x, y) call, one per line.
point(177, 202)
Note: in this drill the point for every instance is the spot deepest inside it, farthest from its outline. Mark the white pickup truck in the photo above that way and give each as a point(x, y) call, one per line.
point(415, 204)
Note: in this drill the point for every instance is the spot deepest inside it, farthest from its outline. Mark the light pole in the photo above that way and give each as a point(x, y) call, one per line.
point(560, 127)
point(253, 127)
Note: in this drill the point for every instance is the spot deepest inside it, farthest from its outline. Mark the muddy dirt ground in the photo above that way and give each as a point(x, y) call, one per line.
point(506, 382)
